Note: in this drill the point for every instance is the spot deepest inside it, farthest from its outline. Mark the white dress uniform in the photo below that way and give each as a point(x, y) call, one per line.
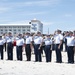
point(37, 42)
point(28, 42)
point(48, 41)
point(70, 41)
point(70, 46)
point(9, 40)
point(38, 39)
point(48, 52)
point(1, 47)
point(58, 38)
point(19, 41)
point(19, 46)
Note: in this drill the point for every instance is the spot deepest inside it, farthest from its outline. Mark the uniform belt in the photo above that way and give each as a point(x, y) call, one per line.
point(47, 45)
point(56, 44)
point(9, 42)
point(27, 44)
point(36, 44)
point(1, 45)
point(19, 46)
point(70, 46)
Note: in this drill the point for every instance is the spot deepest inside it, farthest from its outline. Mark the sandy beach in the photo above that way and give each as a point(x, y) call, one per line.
point(36, 68)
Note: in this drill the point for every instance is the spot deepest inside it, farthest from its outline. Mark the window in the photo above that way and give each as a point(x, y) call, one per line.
point(28, 30)
point(23, 30)
point(18, 27)
point(23, 27)
point(1, 29)
point(19, 30)
point(5, 29)
point(14, 32)
point(10, 30)
point(14, 29)
point(1, 32)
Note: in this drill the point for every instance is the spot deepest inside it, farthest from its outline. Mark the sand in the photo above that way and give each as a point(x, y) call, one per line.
point(36, 68)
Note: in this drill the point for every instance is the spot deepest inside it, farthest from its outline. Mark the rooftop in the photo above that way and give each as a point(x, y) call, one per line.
point(14, 24)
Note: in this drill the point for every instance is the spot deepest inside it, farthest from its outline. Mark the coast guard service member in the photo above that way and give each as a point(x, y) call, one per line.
point(9, 40)
point(28, 45)
point(65, 39)
point(70, 49)
point(1, 47)
point(48, 51)
point(58, 42)
point(37, 46)
point(19, 46)
point(3, 37)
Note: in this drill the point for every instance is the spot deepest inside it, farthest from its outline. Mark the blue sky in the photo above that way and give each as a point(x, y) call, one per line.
point(54, 14)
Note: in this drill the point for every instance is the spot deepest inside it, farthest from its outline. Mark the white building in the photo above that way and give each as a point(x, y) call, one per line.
point(33, 26)
point(36, 25)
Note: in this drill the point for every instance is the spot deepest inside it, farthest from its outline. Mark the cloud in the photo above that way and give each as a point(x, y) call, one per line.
point(3, 0)
point(4, 6)
point(20, 22)
point(31, 3)
point(47, 23)
point(4, 9)
point(4, 21)
point(35, 13)
point(40, 3)
point(68, 15)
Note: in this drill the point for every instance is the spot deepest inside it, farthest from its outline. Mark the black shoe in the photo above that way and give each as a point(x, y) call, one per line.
point(58, 61)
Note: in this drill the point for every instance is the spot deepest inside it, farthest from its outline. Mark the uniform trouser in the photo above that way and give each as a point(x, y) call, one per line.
point(58, 54)
point(48, 53)
point(65, 44)
point(1, 51)
point(19, 52)
point(10, 51)
point(70, 53)
point(37, 53)
point(28, 52)
point(61, 47)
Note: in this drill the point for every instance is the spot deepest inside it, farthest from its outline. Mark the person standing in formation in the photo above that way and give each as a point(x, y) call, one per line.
point(70, 47)
point(48, 46)
point(74, 40)
point(28, 45)
point(65, 39)
point(9, 40)
point(58, 42)
point(37, 38)
point(19, 46)
point(3, 37)
point(1, 47)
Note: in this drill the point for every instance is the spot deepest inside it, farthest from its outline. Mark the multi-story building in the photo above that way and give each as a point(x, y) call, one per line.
point(36, 25)
point(33, 26)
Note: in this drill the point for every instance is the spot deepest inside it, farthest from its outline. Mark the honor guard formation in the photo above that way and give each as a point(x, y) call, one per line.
point(38, 43)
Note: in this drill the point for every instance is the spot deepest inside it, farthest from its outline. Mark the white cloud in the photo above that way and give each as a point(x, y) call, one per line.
point(68, 15)
point(20, 22)
point(4, 9)
point(36, 13)
point(40, 3)
point(3, 0)
point(47, 23)
point(4, 6)
point(31, 3)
